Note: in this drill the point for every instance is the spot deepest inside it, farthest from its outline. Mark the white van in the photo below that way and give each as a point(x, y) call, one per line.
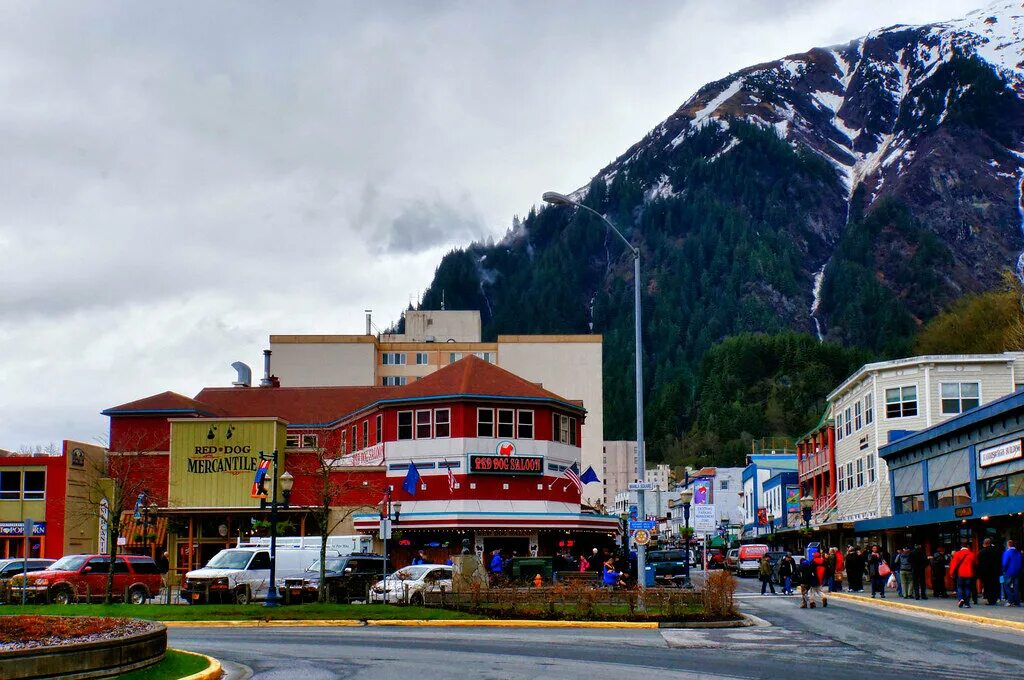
point(346, 545)
point(242, 575)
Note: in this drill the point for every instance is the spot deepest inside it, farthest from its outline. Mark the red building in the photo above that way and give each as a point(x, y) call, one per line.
point(816, 467)
point(491, 450)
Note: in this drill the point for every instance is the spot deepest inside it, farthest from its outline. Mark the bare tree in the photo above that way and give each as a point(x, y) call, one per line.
point(335, 487)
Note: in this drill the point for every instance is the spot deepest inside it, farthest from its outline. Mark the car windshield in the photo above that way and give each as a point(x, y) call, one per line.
point(410, 573)
point(230, 559)
point(69, 563)
point(667, 556)
point(333, 564)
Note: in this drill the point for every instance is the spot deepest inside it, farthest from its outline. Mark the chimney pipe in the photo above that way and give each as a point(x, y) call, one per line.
point(266, 382)
point(369, 324)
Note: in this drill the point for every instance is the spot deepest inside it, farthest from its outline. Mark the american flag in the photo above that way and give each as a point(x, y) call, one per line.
point(451, 478)
point(572, 473)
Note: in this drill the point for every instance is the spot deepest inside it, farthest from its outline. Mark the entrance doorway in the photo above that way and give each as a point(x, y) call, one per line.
point(511, 546)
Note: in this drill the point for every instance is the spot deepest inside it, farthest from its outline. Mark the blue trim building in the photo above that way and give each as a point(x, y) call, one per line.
point(760, 470)
point(960, 479)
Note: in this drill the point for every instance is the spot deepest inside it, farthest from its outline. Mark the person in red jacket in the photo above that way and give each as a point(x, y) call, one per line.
point(819, 569)
point(837, 579)
point(961, 568)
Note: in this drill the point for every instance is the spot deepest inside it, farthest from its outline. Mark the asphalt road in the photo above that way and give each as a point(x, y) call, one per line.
point(844, 640)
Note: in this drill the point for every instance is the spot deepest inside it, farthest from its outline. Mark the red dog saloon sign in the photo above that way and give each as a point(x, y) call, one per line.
point(506, 465)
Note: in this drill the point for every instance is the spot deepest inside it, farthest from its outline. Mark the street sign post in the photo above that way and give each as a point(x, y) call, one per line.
point(641, 537)
point(641, 486)
point(645, 525)
point(30, 527)
point(704, 519)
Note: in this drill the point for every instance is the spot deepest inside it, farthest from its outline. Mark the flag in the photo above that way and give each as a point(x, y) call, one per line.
point(412, 480)
point(138, 506)
point(451, 478)
point(572, 473)
point(589, 476)
point(258, 489)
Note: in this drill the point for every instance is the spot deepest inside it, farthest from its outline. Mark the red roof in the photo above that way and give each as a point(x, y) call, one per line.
point(470, 376)
point(165, 401)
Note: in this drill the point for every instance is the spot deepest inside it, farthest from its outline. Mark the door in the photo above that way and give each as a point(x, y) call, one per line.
point(434, 581)
point(257, 575)
point(92, 581)
point(122, 577)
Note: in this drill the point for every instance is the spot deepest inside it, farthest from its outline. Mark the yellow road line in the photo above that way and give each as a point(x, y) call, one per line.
point(417, 623)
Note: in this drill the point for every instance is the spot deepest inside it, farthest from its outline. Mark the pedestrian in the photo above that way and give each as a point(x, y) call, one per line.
point(810, 586)
point(938, 564)
point(962, 569)
point(830, 570)
point(787, 570)
point(764, 572)
point(1012, 563)
point(820, 570)
point(990, 568)
point(855, 569)
point(918, 565)
point(904, 569)
point(611, 576)
point(840, 564)
point(497, 567)
point(584, 563)
point(878, 571)
point(421, 558)
point(595, 560)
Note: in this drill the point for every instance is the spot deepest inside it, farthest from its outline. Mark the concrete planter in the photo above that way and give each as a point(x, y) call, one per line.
point(102, 659)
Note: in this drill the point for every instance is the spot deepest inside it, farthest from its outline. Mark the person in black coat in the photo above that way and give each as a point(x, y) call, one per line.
point(939, 564)
point(918, 565)
point(855, 570)
point(990, 568)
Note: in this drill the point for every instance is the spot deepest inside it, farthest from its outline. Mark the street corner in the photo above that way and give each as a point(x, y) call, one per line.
point(932, 611)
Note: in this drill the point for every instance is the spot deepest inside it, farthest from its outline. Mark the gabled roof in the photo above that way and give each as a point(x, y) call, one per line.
point(298, 405)
point(164, 403)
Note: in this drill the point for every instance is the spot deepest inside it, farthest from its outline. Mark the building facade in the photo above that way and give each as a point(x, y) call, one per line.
point(816, 466)
point(760, 470)
point(58, 492)
point(883, 400)
point(569, 365)
point(618, 469)
point(960, 480)
point(491, 450)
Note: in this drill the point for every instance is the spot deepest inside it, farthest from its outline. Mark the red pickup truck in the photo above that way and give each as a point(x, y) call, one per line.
point(82, 578)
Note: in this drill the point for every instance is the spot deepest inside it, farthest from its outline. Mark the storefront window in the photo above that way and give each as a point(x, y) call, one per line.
point(1001, 487)
point(912, 503)
point(957, 495)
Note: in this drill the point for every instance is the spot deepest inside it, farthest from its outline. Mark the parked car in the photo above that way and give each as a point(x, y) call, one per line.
point(75, 578)
point(10, 568)
point(670, 566)
point(716, 560)
point(749, 558)
point(242, 575)
point(732, 559)
point(347, 578)
point(417, 584)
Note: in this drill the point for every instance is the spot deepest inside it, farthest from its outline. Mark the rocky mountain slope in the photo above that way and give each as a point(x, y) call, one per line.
point(850, 191)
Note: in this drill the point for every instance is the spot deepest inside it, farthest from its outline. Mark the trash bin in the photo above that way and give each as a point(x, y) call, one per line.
point(525, 568)
point(649, 575)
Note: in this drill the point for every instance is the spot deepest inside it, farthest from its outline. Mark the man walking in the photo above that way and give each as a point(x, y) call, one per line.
point(962, 570)
point(810, 586)
point(904, 568)
point(938, 564)
point(787, 570)
point(855, 570)
point(990, 568)
point(764, 571)
point(1012, 563)
point(918, 565)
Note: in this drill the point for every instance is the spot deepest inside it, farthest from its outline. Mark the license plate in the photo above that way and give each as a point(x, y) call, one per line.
point(195, 596)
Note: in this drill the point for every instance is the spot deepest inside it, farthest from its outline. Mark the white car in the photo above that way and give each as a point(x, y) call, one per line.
point(413, 585)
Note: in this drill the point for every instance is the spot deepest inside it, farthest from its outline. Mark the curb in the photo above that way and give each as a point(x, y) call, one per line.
point(746, 620)
point(936, 613)
point(213, 670)
point(280, 623)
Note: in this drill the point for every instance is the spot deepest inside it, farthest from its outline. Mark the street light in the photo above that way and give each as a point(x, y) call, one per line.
point(555, 198)
point(287, 481)
point(806, 504)
point(149, 520)
point(686, 495)
point(385, 530)
point(771, 528)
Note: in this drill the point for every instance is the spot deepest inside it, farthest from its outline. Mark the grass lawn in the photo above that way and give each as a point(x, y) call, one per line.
point(216, 612)
point(175, 665)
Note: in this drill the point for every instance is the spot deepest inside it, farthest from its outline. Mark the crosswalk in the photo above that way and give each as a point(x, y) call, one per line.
point(762, 640)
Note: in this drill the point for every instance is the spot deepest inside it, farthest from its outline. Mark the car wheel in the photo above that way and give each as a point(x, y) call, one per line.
point(416, 599)
point(138, 595)
point(242, 595)
point(63, 595)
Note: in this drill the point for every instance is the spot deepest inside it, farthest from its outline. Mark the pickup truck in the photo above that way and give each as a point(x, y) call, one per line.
point(669, 566)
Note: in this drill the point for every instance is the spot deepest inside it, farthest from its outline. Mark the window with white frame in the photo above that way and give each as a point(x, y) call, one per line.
point(16, 485)
point(849, 476)
point(344, 442)
point(572, 432)
point(424, 425)
point(842, 484)
point(869, 408)
point(561, 428)
point(857, 417)
point(378, 429)
point(422, 358)
point(292, 441)
point(871, 469)
point(860, 472)
point(485, 422)
point(454, 356)
point(442, 422)
point(392, 358)
point(525, 424)
point(404, 425)
point(34, 485)
point(310, 441)
point(959, 397)
point(506, 423)
point(486, 356)
point(901, 402)
point(366, 433)
point(839, 427)
point(848, 421)
point(393, 380)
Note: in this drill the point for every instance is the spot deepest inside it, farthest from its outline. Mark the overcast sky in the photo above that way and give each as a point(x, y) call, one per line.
point(179, 180)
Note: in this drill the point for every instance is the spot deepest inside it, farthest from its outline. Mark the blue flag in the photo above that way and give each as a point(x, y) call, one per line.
point(589, 476)
point(412, 480)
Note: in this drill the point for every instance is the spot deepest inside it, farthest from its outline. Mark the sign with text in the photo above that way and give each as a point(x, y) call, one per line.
point(641, 486)
point(1000, 454)
point(704, 519)
point(370, 456)
point(647, 525)
point(18, 528)
point(506, 465)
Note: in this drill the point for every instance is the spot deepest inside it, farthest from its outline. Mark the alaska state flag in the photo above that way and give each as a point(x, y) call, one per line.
point(589, 476)
point(412, 480)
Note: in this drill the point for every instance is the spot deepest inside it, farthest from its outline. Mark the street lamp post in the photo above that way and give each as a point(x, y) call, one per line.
point(686, 496)
point(555, 198)
point(286, 481)
point(806, 504)
point(771, 528)
point(385, 530)
point(149, 520)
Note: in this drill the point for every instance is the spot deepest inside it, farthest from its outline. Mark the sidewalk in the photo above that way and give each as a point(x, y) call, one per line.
point(998, 615)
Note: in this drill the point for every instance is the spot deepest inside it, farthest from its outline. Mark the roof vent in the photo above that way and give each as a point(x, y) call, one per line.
point(244, 374)
point(267, 377)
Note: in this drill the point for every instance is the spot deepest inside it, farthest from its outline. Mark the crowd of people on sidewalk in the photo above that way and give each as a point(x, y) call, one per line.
point(993, 573)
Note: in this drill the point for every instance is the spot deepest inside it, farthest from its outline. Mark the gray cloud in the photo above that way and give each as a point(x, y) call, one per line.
point(180, 180)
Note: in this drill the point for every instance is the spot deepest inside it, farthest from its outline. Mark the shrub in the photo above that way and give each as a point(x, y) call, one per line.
point(717, 594)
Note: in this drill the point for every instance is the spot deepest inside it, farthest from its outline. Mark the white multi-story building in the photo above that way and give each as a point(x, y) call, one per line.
point(618, 469)
point(569, 365)
point(881, 401)
point(660, 475)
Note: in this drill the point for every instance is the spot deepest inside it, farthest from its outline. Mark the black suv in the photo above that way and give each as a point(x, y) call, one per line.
point(348, 578)
point(669, 565)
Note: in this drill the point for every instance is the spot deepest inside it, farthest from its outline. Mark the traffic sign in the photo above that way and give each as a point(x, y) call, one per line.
point(641, 537)
point(646, 525)
point(704, 521)
point(641, 486)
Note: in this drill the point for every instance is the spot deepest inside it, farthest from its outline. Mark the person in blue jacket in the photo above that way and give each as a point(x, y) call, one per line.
point(497, 566)
point(612, 576)
point(1013, 562)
